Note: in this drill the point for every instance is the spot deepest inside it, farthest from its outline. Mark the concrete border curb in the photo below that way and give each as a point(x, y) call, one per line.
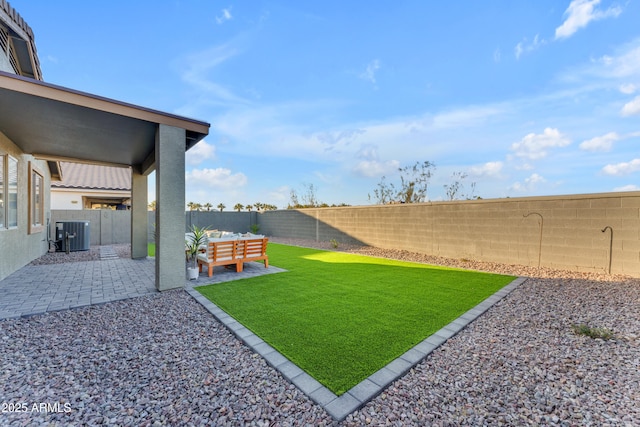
point(339, 407)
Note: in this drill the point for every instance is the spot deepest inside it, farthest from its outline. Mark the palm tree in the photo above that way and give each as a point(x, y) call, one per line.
point(238, 207)
point(152, 206)
point(249, 207)
point(221, 206)
point(193, 206)
point(257, 205)
point(208, 206)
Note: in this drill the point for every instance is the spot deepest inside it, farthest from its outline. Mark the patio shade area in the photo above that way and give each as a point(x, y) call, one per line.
point(54, 123)
point(51, 121)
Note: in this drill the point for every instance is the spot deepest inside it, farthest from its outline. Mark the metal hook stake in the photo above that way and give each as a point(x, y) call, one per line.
point(541, 226)
point(610, 245)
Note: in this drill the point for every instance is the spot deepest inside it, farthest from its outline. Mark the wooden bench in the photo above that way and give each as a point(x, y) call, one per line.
point(230, 252)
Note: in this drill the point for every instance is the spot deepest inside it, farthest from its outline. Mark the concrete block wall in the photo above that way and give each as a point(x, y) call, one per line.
point(494, 230)
point(297, 224)
point(237, 222)
point(109, 227)
point(106, 227)
point(304, 224)
point(498, 230)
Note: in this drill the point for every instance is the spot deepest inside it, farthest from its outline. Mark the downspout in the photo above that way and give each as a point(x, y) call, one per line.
point(610, 245)
point(541, 226)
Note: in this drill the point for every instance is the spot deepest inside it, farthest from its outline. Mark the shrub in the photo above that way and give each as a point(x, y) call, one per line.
point(584, 329)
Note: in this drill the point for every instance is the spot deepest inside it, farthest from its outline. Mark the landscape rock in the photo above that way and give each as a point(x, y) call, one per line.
point(164, 360)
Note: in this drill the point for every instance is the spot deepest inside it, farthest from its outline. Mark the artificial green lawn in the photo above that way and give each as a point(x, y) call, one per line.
point(341, 317)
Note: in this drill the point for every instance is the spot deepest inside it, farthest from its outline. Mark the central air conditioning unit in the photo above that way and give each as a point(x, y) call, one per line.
point(72, 236)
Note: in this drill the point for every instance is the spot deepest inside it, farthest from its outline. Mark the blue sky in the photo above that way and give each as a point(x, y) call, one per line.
point(526, 98)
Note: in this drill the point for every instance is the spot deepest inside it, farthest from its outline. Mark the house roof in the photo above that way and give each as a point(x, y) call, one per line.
point(56, 123)
point(94, 177)
point(22, 39)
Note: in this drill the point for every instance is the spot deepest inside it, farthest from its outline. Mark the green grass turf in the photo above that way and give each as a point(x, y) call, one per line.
point(341, 317)
point(151, 249)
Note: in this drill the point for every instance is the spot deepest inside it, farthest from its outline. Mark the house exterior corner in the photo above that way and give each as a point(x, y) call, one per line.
point(24, 207)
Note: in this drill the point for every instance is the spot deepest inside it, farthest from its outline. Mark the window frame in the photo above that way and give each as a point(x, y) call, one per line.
point(9, 191)
point(36, 204)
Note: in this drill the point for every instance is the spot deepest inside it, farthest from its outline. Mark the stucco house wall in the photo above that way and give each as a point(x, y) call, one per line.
point(21, 244)
point(78, 199)
point(88, 186)
point(66, 200)
point(25, 245)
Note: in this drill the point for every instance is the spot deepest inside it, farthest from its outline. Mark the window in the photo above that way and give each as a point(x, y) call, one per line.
point(7, 49)
point(36, 201)
point(8, 192)
point(12, 193)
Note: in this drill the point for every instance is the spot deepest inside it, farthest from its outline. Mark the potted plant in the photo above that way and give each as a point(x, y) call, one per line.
point(194, 241)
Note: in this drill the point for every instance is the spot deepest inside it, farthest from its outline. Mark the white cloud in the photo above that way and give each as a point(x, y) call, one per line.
point(219, 178)
point(628, 88)
point(630, 187)
point(534, 179)
point(200, 152)
point(226, 16)
point(280, 196)
point(287, 130)
point(518, 50)
point(370, 165)
point(487, 170)
point(622, 66)
point(625, 64)
point(529, 183)
point(290, 130)
point(497, 55)
point(628, 63)
point(375, 168)
point(631, 108)
point(368, 152)
point(580, 13)
point(198, 69)
point(462, 117)
point(525, 46)
point(335, 139)
point(624, 168)
point(600, 143)
point(535, 147)
point(370, 73)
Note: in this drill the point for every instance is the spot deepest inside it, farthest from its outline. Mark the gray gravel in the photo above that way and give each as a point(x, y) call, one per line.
point(93, 254)
point(163, 360)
